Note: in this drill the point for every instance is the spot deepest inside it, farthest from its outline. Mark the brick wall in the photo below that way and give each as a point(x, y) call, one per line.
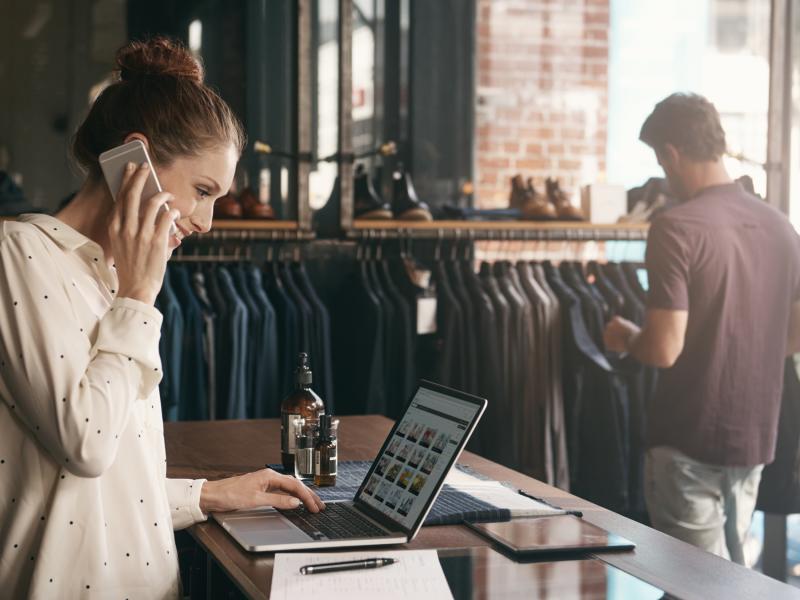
point(542, 93)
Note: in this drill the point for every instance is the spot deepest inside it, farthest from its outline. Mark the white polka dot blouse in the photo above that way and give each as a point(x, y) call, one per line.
point(86, 509)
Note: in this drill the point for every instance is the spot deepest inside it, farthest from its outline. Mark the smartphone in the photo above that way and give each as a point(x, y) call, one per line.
point(113, 163)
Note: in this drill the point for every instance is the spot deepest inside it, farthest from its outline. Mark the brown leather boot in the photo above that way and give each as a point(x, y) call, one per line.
point(228, 207)
point(519, 195)
point(558, 198)
point(536, 207)
point(252, 208)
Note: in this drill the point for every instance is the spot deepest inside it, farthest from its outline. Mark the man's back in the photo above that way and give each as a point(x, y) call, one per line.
point(734, 263)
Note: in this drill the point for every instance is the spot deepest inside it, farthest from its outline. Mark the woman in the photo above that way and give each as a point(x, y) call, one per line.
point(86, 509)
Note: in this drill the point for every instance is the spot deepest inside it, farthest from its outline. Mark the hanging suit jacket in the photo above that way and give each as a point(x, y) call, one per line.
point(193, 403)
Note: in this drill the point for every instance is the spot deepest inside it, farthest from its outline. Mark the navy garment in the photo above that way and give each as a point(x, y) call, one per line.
point(357, 333)
point(486, 329)
point(404, 381)
point(642, 383)
point(193, 402)
point(253, 339)
point(596, 405)
point(221, 342)
point(209, 339)
point(390, 331)
point(267, 399)
point(323, 371)
point(170, 348)
point(468, 318)
point(503, 315)
point(449, 324)
point(403, 274)
point(234, 403)
point(305, 320)
point(287, 317)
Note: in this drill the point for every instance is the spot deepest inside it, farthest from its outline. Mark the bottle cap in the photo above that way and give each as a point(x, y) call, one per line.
point(325, 427)
point(302, 374)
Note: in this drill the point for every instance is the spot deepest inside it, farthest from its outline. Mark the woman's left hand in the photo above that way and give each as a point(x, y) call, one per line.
point(255, 490)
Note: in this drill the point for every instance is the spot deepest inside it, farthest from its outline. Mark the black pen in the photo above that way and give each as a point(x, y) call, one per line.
point(348, 565)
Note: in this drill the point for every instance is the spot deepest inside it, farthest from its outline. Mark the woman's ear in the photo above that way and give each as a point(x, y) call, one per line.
point(134, 135)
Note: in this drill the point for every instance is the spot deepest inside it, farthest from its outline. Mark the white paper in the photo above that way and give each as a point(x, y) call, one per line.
point(418, 575)
point(496, 494)
point(426, 315)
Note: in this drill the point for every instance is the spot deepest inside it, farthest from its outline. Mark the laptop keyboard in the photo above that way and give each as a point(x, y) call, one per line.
point(337, 521)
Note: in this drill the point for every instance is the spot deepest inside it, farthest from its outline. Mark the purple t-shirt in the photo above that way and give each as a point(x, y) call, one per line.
point(733, 262)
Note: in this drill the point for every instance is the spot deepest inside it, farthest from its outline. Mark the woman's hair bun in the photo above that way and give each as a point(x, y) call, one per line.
point(159, 56)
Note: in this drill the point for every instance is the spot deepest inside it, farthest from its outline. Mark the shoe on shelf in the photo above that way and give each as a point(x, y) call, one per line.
point(519, 193)
point(366, 202)
point(252, 208)
point(536, 207)
point(558, 198)
point(406, 205)
point(228, 207)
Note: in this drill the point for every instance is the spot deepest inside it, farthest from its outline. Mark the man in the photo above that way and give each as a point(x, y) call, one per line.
point(724, 285)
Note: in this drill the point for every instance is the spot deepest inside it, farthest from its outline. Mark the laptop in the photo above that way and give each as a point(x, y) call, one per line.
point(396, 494)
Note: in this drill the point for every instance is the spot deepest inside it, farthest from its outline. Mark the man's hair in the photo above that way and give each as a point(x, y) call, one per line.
point(690, 123)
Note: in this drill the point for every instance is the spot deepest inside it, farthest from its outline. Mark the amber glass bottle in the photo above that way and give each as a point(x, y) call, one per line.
point(301, 403)
point(325, 458)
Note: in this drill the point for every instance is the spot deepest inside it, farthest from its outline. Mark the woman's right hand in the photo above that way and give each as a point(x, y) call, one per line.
point(139, 236)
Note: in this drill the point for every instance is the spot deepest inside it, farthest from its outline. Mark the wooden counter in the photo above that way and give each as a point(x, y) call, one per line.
point(221, 448)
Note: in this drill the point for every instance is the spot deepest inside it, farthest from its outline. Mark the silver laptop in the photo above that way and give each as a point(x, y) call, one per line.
point(395, 496)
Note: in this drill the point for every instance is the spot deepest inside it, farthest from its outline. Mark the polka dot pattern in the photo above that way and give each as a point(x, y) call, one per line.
point(60, 295)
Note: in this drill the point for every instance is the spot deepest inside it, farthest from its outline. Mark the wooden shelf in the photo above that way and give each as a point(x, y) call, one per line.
point(497, 225)
point(487, 230)
point(253, 224)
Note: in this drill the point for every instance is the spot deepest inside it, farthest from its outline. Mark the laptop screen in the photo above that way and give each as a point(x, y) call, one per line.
point(419, 453)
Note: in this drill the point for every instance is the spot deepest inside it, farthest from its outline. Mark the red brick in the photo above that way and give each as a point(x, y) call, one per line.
point(533, 148)
point(523, 54)
point(533, 164)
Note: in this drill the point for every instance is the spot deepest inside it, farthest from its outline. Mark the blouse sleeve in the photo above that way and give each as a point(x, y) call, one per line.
point(184, 502)
point(74, 397)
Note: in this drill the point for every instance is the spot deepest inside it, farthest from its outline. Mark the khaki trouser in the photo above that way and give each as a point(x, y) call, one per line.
point(707, 506)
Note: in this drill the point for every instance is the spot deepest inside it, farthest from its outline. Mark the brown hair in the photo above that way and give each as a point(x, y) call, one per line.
point(160, 93)
point(690, 123)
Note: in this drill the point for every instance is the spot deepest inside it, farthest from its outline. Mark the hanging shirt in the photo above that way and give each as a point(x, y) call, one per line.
point(86, 509)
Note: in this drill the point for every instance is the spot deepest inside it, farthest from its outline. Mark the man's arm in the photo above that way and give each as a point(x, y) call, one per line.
point(793, 339)
point(659, 343)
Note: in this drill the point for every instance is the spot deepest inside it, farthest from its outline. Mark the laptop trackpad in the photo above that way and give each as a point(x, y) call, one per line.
point(266, 529)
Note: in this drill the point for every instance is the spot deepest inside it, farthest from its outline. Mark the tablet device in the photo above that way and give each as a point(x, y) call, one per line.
point(551, 535)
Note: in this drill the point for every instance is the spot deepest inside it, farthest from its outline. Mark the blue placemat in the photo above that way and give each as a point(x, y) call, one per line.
point(452, 507)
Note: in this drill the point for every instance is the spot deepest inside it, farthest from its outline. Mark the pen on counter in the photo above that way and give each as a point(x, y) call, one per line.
point(576, 513)
point(348, 565)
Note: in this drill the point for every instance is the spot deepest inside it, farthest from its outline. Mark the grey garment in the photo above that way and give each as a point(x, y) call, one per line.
point(209, 318)
point(708, 506)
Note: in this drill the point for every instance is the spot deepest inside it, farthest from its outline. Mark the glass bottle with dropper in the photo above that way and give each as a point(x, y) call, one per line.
point(303, 405)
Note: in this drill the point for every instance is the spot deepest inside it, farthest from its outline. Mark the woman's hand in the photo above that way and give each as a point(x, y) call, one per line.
point(139, 236)
point(257, 489)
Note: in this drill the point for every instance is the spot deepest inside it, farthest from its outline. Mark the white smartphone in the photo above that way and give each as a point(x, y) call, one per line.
point(113, 163)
